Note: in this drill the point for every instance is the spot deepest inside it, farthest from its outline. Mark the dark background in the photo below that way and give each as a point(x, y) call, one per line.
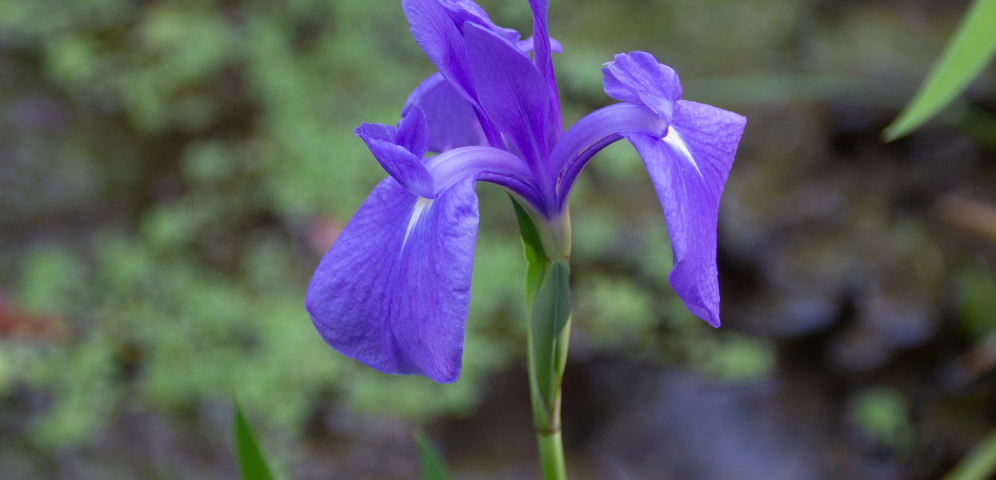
point(172, 171)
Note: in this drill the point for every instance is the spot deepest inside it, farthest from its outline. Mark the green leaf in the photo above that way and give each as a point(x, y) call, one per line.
point(978, 465)
point(252, 465)
point(433, 466)
point(535, 254)
point(969, 51)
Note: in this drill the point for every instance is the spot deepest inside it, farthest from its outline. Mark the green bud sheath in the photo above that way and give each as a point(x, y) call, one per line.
point(549, 331)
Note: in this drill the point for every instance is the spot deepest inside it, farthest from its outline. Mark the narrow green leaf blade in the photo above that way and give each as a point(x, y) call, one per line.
point(967, 53)
point(978, 465)
point(252, 465)
point(433, 466)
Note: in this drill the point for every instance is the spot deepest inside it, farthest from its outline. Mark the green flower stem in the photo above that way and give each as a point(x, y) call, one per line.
point(552, 456)
point(549, 334)
point(548, 299)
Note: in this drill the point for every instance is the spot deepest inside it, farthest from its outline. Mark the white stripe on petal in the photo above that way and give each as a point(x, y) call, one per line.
point(676, 142)
point(421, 205)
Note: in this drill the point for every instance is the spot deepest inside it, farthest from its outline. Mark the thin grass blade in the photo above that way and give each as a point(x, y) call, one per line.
point(433, 466)
point(978, 465)
point(970, 49)
point(252, 465)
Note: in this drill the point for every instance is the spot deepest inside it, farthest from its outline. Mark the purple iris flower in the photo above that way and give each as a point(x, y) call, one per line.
point(393, 291)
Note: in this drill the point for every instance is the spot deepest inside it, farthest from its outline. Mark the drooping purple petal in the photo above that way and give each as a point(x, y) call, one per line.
point(639, 79)
point(544, 62)
point(512, 93)
point(451, 118)
point(689, 168)
point(394, 290)
point(400, 163)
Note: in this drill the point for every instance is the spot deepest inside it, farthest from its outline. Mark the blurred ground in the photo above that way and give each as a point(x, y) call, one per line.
point(171, 172)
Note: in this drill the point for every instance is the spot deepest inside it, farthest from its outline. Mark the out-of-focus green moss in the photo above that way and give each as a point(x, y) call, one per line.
point(204, 296)
point(882, 414)
point(978, 302)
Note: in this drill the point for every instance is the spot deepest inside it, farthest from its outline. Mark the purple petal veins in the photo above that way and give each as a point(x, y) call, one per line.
point(514, 96)
point(394, 289)
point(637, 78)
point(544, 62)
point(689, 168)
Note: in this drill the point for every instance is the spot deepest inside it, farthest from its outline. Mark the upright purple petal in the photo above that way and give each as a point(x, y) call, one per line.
point(442, 42)
point(451, 118)
point(544, 62)
point(462, 11)
point(638, 78)
point(689, 168)
point(377, 131)
point(394, 290)
point(512, 92)
point(413, 132)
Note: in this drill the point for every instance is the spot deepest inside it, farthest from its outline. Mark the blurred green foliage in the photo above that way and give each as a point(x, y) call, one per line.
point(980, 464)
point(970, 49)
point(883, 416)
point(212, 141)
point(433, 465)
point(203, 295)
point(978, 302)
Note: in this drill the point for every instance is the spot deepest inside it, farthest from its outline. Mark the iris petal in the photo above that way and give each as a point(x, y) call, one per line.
point(441, 41)
point(407, 169)
point(451, 118)
point(639, 79)
point(512, 93)
point(544, 62)
point(413, 132)
point(400, 151)
point(595, 131)
point(528, 44)
point(394, 290)
point(689, 168)
point(462, 11)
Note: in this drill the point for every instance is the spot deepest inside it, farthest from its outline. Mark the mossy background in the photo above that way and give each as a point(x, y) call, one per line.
point(171, 172)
